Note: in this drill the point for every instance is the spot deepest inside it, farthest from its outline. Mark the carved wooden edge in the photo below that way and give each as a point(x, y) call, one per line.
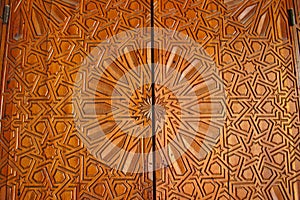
point(295, 37)
point(3, 148)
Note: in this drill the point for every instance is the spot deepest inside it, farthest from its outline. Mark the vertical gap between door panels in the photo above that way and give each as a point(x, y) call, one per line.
point(153, 102)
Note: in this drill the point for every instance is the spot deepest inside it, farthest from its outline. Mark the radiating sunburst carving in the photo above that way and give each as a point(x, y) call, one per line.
point(118, 128)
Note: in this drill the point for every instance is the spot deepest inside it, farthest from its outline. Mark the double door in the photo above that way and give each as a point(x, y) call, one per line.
point(96, 104)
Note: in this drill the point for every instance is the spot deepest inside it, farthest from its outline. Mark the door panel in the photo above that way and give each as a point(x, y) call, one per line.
point(47, 42)
point(255, 154)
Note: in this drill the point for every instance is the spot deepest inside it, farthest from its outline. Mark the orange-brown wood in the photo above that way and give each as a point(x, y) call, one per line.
point(4, 147)
point(47, 41)
point(254, 88)
point(256, 154)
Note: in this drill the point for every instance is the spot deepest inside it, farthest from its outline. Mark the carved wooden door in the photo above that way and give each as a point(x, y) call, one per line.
point(256, 155)
point(88, 90)
point(45, 158)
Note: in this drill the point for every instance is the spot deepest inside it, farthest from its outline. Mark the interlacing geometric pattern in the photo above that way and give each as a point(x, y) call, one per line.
point(47, 42)
point(256, 153)
point(257, 156)
point(189, 97)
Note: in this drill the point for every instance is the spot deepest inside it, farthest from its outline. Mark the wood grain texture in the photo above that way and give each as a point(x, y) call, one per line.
point(295, 30)
point(4, 147)
point(257, 154)
point(47, 41)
